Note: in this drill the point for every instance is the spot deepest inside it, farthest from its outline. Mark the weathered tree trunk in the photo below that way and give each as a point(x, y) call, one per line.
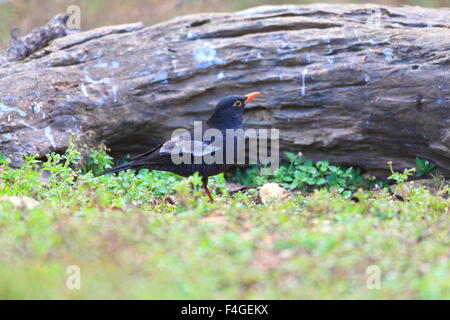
point(356, 85)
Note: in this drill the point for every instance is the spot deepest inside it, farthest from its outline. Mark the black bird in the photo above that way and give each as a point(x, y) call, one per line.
point(227, 115)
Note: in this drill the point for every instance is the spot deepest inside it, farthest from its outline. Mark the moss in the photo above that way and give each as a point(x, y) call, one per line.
point(129, 243)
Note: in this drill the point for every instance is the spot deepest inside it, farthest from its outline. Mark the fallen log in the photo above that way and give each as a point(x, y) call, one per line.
point(357, 85)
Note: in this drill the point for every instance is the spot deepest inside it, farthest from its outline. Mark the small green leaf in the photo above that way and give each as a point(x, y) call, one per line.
point(293, 185)
point(420, 163)
point(292, 157)
point(308, 163)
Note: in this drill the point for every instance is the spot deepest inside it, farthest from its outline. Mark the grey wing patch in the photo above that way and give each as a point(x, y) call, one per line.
point(182, 144)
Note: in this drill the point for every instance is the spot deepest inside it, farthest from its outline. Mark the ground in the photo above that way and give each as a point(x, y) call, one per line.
point(126, 241)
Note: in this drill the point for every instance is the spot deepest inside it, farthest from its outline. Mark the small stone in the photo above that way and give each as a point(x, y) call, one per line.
point(20, 201)
point(272, 191)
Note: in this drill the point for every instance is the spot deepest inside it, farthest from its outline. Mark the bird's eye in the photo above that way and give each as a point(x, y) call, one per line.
point(237, 103)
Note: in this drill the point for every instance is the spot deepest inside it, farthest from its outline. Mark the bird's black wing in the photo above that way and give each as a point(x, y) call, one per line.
point(183, 144)
point(161, 155)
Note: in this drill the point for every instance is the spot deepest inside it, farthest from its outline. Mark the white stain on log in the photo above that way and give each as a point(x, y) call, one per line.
point(192, 35)
point(329, 51)
point(174, 64)
point(49, 136)
point(304, 73)
point(7, 136)
point(77, 130)
point(388, 54)
point(4, 109)
point(101, 65)
point(114, 91)
point(161, 76)
point(104, 65)
point(84, 90)
point(27, 125)
point(11, 98)
point(88, 79)
point(205, 56)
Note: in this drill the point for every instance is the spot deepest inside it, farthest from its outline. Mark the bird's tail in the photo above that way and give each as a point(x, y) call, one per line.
point(130, 165)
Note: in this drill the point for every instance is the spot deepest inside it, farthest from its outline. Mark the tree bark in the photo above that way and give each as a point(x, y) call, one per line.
point(355, 85)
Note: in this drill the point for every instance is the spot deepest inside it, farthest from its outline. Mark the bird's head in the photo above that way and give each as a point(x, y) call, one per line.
point(229, 111)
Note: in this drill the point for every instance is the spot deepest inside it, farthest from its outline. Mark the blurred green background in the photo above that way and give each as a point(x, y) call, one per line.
point(28, 14)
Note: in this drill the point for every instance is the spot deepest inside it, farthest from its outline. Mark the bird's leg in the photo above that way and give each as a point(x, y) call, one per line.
point(205, 186)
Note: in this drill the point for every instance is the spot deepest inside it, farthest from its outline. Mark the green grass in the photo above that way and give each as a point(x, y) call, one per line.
point(129, 243)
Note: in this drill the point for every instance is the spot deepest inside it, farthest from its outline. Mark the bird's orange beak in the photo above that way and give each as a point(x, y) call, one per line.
point(251, 96)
